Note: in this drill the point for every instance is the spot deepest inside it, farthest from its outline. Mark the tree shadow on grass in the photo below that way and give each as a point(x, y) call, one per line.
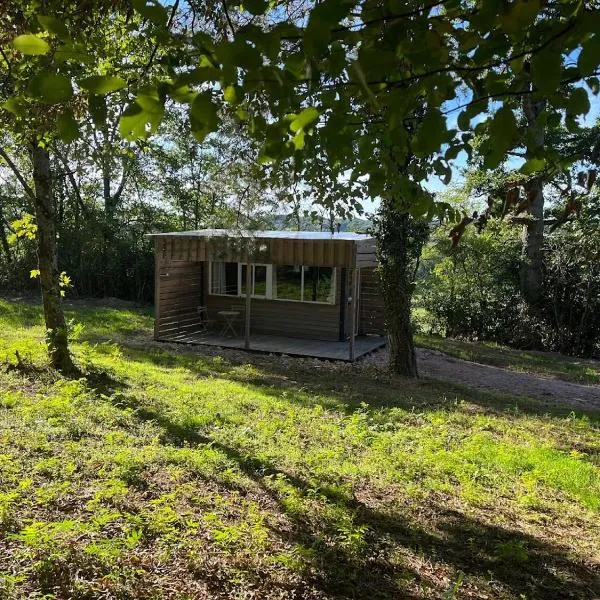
point(402, 550)
point(346, 388)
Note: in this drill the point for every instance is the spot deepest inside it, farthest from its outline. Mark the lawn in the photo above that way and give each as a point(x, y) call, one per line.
point(166, 473)
point(547, 364)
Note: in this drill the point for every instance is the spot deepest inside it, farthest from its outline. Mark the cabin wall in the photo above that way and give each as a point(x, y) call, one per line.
point(279, 317)
point(366, 254)
point(372, 311)
point(178, 294)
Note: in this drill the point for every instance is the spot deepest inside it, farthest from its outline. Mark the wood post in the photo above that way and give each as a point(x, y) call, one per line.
point(352, 351)
point(248, 302)
point(343, 303)
point(157, 259)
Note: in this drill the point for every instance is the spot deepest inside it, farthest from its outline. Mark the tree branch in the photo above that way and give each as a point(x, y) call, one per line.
point(13, 167)
point(72, 181)
point(227, 16)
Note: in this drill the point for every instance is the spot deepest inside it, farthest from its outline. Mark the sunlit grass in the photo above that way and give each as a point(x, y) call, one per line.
point(163, 470)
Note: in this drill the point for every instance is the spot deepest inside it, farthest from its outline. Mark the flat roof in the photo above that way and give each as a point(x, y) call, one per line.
point(288, 235)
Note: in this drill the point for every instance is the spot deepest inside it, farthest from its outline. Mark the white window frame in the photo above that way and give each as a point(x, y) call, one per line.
point(269, 282)
point(303, 301)
point(269, 286)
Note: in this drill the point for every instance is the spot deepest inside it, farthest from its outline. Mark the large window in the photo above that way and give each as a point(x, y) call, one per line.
point(305, 284)
point(278, 282)
point(224, 278)
point(318, 284)
point(261, 280)
point(288, 282)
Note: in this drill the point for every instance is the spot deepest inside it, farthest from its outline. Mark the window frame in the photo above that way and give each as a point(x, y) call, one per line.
point(210, 280)
point(269, 283)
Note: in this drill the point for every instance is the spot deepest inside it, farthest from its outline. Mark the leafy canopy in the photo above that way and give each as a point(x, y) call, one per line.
point(370, 86)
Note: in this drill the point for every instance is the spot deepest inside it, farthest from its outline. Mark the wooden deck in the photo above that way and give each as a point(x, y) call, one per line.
point(285, 345)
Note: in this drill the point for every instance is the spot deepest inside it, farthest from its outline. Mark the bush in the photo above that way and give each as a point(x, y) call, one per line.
point(469, 291)
point(572, 282)
point(472, 292)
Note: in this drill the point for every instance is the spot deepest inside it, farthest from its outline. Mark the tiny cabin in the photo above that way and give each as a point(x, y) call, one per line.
point(300, 293)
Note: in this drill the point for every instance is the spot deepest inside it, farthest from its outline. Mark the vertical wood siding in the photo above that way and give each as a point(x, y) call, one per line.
point(179, 293)
point(372, 313)
point(327, 253)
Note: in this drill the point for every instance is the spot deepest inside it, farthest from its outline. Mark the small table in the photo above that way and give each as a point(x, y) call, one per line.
point(229, 316)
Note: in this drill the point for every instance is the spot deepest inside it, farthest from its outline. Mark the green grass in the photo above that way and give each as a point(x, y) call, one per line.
point(548, 364)
point(169, 473)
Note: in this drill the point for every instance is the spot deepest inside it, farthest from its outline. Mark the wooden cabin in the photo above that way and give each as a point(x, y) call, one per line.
point(301, 293)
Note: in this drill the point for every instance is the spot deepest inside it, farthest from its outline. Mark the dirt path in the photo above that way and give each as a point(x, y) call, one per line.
point(438, 365)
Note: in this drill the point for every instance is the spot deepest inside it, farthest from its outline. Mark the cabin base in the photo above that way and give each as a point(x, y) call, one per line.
point(285, 345)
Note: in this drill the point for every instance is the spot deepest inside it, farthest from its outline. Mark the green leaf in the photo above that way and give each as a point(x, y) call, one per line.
point(98, 110)
point(298, 140)
point(431, 133)
point(304, 119)
point(464, 121)
point(67, 127)
point(533, 165)
point(102, 84)
point(546, 71)
point(53, 25)
point(323, 18)
point(182, 93)
point(151, 10)
point(198, 75)
point(31, 44)
point(453, 151)
point(15, 105)
point(589, 57)
point(50, 88)
point(230, 94)
point(420, 205)
point(503, 133)
point(74, 53)
point(255, 7)
point(520, 15)
point(579, 103)
point(594, 85)
point(142, 118)
point(203, 116)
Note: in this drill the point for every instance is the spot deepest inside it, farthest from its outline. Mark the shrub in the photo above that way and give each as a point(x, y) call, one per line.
point(472, 291)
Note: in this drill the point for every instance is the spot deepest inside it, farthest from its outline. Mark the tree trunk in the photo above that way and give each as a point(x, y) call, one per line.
point(3, 237)
point(532, 267)
point(54, 317)
point(399, 243)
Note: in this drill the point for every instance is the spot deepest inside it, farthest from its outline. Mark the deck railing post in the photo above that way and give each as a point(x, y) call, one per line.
point(157, 259)
point(248, 302)
point(352, 349)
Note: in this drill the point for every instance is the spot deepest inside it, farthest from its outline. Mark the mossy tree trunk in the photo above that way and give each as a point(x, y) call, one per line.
point(400, 239)
point(56, 327)
point(532, 267)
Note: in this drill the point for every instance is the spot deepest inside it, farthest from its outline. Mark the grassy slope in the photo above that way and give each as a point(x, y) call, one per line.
point(172, 475)
point(547, 364)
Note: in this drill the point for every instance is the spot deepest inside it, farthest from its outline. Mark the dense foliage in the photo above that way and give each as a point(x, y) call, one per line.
point(472, 291)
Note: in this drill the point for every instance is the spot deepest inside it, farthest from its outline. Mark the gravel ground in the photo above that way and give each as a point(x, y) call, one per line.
point(438, 365)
